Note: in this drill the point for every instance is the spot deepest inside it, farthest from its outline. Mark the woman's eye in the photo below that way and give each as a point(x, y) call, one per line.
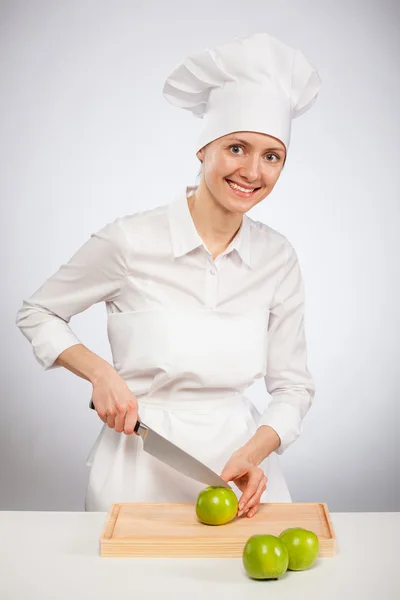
point(235, 149)
point(272, 157)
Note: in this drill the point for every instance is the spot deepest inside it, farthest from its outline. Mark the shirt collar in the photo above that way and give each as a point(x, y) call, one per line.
point(186, 238)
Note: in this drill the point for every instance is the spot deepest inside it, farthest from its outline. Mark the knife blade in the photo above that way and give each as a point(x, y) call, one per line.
point(173, 456)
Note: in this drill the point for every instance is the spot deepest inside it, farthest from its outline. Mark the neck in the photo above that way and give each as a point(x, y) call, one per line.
point(215, 225)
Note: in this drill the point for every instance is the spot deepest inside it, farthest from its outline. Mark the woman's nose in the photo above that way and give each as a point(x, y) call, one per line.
point(251, 170)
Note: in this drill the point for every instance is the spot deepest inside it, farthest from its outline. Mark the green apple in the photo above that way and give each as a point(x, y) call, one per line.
point(265, 557)
point(302, 546)
point(216, 505)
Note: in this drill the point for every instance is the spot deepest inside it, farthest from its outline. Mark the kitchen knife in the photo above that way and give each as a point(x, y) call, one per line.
point(175, 457)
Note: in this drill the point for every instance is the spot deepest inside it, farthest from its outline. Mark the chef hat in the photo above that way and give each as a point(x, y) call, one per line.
point(249, 84)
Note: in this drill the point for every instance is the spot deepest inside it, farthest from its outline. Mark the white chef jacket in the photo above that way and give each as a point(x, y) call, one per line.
point(186, 332)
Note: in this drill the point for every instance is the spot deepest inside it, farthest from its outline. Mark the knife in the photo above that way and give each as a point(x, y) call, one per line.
point(173, 456)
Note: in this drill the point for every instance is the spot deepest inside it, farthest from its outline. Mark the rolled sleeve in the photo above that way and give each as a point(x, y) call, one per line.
point(94, 274)
point(51, 340)
point(287, 378)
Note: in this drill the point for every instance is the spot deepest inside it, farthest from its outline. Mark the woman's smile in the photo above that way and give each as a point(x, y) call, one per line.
point(242, 191)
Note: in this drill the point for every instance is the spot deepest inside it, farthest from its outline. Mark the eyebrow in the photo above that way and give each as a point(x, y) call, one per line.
point(244, 143)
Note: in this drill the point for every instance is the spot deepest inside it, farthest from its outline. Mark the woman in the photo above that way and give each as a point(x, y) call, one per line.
point(201, 299)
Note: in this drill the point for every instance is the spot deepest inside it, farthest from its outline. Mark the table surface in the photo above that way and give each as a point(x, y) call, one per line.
point(55, 555)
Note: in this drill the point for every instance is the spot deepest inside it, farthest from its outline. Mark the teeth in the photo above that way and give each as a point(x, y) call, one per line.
point(237, 187)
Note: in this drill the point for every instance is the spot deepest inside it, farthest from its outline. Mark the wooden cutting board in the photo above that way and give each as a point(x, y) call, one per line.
point(173, 530)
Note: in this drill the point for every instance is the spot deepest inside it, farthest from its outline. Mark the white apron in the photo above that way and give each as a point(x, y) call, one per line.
point(205, 359)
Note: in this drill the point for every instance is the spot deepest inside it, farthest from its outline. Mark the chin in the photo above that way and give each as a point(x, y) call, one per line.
point(238, 207)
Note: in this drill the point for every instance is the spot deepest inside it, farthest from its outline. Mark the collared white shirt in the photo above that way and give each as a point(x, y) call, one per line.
point(154, 263)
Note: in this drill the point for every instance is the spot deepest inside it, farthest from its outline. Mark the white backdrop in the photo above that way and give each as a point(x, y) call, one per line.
point(86, 136)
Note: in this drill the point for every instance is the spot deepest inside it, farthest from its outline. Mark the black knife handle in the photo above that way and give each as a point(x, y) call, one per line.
point(91, 405)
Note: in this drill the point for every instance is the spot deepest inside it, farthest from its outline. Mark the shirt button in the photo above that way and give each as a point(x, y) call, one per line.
point(212, 272)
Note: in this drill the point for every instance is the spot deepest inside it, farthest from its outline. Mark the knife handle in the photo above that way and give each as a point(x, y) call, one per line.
point(138, 423)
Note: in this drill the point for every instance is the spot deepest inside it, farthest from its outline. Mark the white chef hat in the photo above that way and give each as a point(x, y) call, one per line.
point(248, 84)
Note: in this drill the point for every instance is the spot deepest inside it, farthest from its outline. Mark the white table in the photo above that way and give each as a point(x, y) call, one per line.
point(54, 556)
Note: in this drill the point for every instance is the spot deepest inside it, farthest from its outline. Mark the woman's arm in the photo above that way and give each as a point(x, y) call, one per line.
point(83, 362)
point(287, 380)
point(96, 273)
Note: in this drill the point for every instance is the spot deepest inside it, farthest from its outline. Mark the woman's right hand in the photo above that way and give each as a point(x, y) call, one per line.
point(114, 402)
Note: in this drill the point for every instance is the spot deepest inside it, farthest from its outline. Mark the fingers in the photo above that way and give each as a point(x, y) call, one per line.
point(102, 416)
point(125, 418)
point(110, 420)
point(119, 417)
point(250, 499)
point(130, 420)
point(254, 476)
point(254, 503)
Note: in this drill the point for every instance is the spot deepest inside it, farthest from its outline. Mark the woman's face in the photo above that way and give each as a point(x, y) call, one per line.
point(241, 169)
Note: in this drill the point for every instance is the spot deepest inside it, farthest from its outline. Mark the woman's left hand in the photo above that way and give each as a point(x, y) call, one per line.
point(249, 478)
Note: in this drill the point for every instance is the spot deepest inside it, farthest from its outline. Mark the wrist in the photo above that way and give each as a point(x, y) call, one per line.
point(102, 373)
point(261, 445)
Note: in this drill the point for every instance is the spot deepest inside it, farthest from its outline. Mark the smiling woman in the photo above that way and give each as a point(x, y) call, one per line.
point(201, 299)
point(238, 172)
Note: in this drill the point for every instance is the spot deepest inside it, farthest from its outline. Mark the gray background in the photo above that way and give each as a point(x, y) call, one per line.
point(86, 136)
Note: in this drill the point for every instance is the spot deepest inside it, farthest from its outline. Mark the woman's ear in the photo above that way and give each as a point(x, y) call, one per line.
point(200, 155)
